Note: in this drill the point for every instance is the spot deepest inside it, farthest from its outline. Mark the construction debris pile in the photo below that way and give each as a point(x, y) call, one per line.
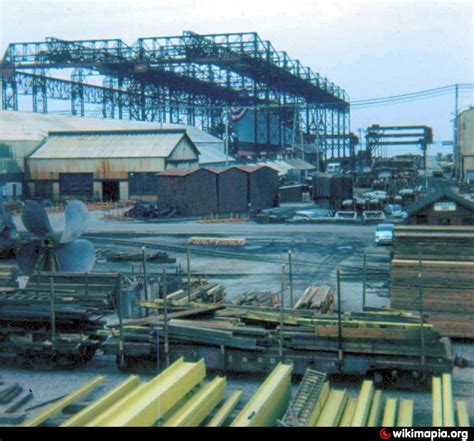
point(433, 270)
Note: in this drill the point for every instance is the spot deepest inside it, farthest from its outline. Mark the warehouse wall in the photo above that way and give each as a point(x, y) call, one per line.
point(232, 189)
point(263, 188)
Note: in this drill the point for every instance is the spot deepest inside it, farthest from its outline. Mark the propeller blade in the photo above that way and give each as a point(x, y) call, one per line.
point(76, 221)
point(35, 219)
point(28, 255)
point(76, 256)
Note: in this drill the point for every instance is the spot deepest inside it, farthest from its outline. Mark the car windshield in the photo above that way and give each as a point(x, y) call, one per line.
point(385, 228)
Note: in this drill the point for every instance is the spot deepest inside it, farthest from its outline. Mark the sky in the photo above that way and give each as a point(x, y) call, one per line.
point(371, 49)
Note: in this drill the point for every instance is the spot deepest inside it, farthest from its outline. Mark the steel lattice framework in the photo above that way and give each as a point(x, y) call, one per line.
point(186, 79)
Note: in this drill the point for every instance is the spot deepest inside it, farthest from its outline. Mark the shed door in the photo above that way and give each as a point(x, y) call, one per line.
point(76, 184)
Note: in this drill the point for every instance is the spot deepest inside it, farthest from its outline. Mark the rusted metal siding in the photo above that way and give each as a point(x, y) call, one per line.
point(113, 169)
point(232, 190)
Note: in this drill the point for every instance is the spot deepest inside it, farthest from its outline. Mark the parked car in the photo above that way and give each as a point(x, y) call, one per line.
point(384, 234)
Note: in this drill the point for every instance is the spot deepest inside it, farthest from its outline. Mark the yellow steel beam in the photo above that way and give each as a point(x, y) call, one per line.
point(332, 411)
point(390, 412)
point(269, 402)
point(318, 407)
point(198, 407)
point(348, 414)
point(150, 401)
point(375, 410)
point(363, 404)
point(63, 402)
point(405, 414)
point(463, 414)
point(448, 408)
point(223, 413)
point(103, 403)
point(437, 418)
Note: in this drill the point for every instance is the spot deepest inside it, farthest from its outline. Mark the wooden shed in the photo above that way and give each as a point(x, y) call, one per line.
point(441, 208)
point(232, 189)
point(191, 191)
point(262, 184)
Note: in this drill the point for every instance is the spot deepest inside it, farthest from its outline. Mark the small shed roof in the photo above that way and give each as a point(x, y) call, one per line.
point(111, 144)
point(183, 171)
point(436, 196)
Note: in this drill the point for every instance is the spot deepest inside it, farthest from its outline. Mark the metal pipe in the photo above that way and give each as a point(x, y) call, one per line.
point(145, 281)
point(282, 300)
point(188, 270)
point(53, 310)
point(165, 313)
point(290, 269)
point(364, 283)
point(339, 321)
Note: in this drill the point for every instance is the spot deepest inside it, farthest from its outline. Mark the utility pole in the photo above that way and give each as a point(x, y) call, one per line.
point(226, 144)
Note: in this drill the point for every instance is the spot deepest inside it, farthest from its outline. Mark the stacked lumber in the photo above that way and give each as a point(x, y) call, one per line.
point(258, 329)
point(435, 265)
point(95, 290)
point(316, 298)
point(8, 278)
point(207, 293)
point(434, 243)
point(220, 241)
point(257, 298)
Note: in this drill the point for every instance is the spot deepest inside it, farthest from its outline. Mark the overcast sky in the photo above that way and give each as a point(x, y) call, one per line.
point(371, 49)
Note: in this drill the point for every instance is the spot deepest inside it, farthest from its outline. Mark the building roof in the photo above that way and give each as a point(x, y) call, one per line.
point(437, 196)
point(111, 144)
point(31, 126)
point(182, 171)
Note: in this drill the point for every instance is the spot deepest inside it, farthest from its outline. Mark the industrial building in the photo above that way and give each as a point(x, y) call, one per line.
point(464, 154)
point(21, 133)
point(107, 165)
point(262, 184)
point(441, 208)
point(232, 189)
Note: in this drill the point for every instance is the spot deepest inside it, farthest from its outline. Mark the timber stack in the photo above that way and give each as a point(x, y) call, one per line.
point(257, 298)
point(316, 298)
point(433, 271)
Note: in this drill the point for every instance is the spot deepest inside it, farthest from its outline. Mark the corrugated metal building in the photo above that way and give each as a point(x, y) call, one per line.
point(107, 165)
point(23, 132)
point(232, 189)
point(262, 184)
point(191, 192)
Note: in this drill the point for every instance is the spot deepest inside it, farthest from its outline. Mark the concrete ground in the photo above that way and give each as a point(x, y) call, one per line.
point(318, 251)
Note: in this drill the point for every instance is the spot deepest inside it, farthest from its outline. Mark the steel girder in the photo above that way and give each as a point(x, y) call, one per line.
point(56, 407)
point(149, 402)
point(269, 402)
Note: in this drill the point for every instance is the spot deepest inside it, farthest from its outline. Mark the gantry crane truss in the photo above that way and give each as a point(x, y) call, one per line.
point(186, 79)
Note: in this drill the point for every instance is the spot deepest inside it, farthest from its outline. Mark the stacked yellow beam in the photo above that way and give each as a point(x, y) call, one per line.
point(444, 413)
point(269, 402)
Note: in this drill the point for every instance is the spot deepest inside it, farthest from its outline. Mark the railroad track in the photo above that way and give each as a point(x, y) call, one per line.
point(329, 262)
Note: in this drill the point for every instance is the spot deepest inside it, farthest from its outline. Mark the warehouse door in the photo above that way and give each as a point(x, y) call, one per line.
point(76, 184)
point(110, 191)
